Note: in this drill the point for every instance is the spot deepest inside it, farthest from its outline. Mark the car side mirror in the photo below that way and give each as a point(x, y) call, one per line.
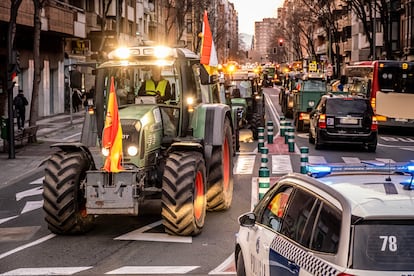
point(247, 219)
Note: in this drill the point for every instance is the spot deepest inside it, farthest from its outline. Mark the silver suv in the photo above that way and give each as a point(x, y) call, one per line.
point(353, 220)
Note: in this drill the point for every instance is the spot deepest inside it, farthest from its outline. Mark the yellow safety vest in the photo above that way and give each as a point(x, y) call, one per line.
point(161, 86)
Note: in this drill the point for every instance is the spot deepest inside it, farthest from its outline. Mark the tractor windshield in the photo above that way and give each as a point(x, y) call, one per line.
point(133, 84)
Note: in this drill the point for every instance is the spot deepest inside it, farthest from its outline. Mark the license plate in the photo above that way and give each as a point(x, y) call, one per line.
point(348, 121)
point(401, 120)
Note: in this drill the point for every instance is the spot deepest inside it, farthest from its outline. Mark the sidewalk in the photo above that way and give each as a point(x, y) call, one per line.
point(30, 158)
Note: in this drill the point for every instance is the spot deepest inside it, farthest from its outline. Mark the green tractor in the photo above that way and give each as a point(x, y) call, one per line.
point(309, 89)
point(246, 99)
point(177, 153)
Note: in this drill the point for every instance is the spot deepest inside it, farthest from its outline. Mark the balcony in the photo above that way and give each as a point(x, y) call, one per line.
point(60, 19)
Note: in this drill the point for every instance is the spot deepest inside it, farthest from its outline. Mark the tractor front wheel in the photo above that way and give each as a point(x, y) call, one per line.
point(183, 196)
point(63, 194)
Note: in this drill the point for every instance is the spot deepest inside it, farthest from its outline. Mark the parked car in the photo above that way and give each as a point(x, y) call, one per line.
point(343, 119)
point(350, 220)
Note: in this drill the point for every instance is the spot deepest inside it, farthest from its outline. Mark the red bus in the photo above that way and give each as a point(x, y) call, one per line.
point(389, 85)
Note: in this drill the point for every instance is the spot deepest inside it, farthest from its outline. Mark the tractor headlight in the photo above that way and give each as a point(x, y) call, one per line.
point(132, 150)
point(105, 152)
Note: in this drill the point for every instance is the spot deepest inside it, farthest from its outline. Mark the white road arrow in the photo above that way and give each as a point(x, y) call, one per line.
point(31, 192)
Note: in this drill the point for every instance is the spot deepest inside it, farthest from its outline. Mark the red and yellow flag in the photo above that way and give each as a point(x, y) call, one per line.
point(208, 50)
point(112, 133)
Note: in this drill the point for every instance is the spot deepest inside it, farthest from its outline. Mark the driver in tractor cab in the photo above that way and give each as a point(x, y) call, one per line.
point(156, 86)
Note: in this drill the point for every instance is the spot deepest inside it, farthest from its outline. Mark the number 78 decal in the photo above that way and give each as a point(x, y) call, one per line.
point(389, 242)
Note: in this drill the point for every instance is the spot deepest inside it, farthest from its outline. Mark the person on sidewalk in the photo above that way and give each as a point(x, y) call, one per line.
point(76, 99)
point(20, 103)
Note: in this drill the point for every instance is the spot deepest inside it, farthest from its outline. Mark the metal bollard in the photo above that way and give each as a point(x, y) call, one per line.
point(304, 159)
point(264, 181)
point(291, 140)
point(282, 126)
point(261, 140)
point(264, 158)
point(270, 132)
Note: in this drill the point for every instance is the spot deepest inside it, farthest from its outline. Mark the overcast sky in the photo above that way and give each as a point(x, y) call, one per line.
point(250, 11)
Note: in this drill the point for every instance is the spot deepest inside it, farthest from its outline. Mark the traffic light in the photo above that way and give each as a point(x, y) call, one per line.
point(13, 68)
point(280, 42)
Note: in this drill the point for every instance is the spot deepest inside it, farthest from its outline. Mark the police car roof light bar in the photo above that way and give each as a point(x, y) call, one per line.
point(322, 170)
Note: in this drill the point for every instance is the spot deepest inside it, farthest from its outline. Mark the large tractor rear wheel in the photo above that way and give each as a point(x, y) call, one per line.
point(63, 194)
point(257, 121)
point(220, 178)
point(183, 194)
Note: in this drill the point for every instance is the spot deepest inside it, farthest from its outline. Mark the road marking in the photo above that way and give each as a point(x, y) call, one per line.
point(385, 160)
point(397, 139)
point(32, 205)
point(71, 136)
point(351, 160)
point(140, 235)
point(23, 247)
point(3, 220)
point(38, 181)
point(244, 164)
point(281, 164)
point(225, 268)
point(163, 270)
point(47, 271)
point(314, 159)
point(30, 192)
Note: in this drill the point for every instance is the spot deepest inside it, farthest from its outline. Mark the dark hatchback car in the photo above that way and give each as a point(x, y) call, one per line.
point(343, 119)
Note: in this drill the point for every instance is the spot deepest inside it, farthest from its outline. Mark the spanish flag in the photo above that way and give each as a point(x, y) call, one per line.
point(208, 50)
point(112, 133)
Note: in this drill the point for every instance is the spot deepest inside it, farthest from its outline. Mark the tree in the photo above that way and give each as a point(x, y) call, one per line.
point(15, 4)
point(37, 24)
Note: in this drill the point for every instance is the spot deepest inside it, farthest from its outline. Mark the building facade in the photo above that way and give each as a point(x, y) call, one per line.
point(77, 34)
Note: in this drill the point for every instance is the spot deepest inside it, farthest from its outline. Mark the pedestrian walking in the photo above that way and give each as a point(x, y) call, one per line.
point(76, 99)
point(20, 103)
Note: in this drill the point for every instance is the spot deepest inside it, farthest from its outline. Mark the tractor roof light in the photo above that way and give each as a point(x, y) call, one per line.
point(162, 52)
point(122, 53)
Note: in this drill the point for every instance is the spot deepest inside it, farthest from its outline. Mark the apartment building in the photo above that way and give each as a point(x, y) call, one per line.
point(81, 32)
point(340, 36)
point(266, 40)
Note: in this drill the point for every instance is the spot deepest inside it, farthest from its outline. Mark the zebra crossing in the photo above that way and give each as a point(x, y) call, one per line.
point(283, 163)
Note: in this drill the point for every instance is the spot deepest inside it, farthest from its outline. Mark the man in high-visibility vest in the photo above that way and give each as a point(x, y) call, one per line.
point(156, 86)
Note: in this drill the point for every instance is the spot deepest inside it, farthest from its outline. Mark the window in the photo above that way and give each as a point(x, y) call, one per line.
point(273, 214)
point(327, 229)
point(384, 245)
point(300, 209)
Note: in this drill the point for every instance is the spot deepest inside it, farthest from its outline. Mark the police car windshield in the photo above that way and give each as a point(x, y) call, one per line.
point(384, 246)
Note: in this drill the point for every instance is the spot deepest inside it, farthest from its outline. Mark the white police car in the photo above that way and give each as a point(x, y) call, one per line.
point(335, 222)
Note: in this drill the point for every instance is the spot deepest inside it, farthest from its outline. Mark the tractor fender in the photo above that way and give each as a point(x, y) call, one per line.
point(214, 125)
point(75, 147)
point(186, 146)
